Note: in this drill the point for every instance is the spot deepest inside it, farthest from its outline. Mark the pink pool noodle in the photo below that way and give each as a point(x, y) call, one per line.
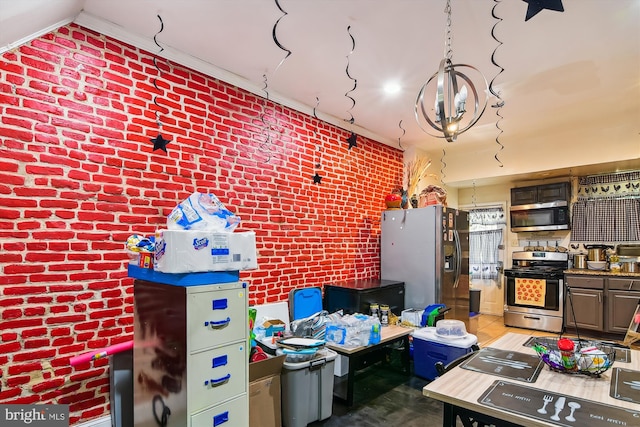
point(107, 351)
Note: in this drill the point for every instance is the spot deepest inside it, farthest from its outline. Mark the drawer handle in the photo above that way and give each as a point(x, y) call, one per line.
point(630, 285)
point(217, 381)
point(220, 418)
point(218, 323)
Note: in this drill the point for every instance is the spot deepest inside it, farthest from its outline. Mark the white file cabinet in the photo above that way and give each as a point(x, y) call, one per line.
point(190, 357)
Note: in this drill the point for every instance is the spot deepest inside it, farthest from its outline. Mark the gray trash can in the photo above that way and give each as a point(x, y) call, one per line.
point(474, 300)
point(307, 389)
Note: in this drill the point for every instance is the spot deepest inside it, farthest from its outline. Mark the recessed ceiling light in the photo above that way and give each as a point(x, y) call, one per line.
point(391, 88)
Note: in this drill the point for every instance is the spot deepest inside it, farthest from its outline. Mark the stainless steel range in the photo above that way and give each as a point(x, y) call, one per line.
point(534, 291)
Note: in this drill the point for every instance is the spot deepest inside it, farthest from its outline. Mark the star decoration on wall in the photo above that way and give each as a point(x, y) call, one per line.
point(317, 178)
point(160, 143)
point(352, 140)
point(536, 6)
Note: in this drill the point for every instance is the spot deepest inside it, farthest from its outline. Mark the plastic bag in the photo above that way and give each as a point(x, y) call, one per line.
point(353, 330)
point(202, 212)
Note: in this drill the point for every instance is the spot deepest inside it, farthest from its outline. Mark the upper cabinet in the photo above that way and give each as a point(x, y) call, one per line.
point(546, 193)
point(540, 208)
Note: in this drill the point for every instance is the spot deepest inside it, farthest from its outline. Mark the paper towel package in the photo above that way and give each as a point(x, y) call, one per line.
point(192, 251)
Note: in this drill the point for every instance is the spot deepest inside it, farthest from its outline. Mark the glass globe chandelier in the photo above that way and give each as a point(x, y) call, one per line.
point(450, 118)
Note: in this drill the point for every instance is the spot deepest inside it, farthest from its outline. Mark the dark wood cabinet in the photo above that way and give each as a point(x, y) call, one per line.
point(524, 195)
point(588, 282)
point(620, 308)
point(586, 299)
point(540, 194)
point(588, 307)
point(602, 303)
point(623, 295)
point(553, 192)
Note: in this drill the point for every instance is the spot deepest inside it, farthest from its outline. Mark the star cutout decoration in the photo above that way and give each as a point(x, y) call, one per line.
point(536, 6)
point(160, 143)
point(352, 140)
point(317, 178)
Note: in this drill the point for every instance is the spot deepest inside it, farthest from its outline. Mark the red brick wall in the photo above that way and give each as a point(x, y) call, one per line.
point(78, 176)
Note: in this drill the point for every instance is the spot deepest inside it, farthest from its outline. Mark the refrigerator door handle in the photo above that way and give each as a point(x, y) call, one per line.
point(458, 258)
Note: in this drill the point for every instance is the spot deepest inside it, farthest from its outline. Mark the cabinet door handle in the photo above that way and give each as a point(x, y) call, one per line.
point(218, 323)
point(599, 297)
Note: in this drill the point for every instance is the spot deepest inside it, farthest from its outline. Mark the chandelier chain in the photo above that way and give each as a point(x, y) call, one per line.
point(448, 51)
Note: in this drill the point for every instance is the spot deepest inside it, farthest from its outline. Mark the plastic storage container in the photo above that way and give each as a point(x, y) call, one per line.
point(429, 348)
point(307, 389)
point(451, 329)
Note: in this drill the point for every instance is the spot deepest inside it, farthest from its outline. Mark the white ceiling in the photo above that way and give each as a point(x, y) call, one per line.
point(571, 80)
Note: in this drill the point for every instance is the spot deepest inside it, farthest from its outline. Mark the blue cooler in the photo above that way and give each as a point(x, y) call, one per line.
point(429, 348)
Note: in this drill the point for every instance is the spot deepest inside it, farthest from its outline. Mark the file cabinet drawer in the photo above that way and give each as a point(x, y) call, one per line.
point(216, 315)
point(216, 375)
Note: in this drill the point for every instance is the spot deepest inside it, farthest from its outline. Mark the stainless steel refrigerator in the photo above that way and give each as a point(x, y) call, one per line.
point(428, 249)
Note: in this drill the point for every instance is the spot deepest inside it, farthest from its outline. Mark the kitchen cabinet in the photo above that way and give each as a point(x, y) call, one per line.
point(588, 307)
point(540, 194)
point(585, 302)
point(620, 308)
point(623, 295)
point(603, 303)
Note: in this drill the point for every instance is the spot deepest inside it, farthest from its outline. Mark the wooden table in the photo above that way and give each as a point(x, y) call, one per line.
point(460, 389)
point(388, 335)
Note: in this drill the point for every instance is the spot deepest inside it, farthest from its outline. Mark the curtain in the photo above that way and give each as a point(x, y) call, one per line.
point(485, 237)
point(483, 253)
point(607, 208)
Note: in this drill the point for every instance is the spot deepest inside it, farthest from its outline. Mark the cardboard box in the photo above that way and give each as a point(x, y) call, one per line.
point(193, 251)
point(265, 392)
point(273, 326)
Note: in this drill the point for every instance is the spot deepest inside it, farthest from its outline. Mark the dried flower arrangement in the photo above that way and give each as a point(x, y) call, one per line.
point(414, 171)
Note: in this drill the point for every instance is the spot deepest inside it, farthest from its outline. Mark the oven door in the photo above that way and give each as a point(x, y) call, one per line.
point(534, 293)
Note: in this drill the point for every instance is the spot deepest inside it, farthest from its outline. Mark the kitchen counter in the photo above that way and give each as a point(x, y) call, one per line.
point(608, 273)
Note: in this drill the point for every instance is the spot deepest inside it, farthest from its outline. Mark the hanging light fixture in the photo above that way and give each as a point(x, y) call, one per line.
point(451, 101)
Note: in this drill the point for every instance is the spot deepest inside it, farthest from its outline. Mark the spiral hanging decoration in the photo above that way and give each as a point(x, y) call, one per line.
point(159, 142)
point(500, 102)
point(352, 140)
point(265, 136)
point(355, 81)
point(275, 36)
point(473, 196)
point(317, 178)
point(444, 165)
point(403, 133)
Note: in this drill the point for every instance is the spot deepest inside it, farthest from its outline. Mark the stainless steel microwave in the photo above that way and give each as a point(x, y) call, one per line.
point(540, 217)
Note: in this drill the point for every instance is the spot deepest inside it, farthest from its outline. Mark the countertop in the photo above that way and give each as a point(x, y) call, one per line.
point(586, 272)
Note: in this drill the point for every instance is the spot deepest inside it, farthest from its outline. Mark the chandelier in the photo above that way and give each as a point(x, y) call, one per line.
point(451, 100)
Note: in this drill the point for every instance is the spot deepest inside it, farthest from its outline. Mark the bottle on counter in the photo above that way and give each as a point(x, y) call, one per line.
point(567, 353)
